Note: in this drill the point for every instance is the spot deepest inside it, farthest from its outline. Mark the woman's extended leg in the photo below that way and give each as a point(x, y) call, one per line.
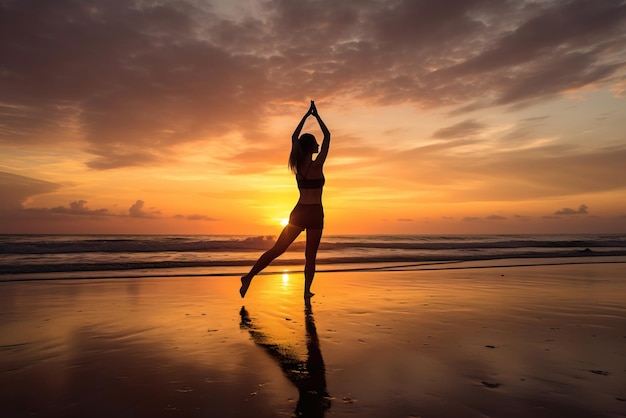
point(289, 234)
point(313, 238)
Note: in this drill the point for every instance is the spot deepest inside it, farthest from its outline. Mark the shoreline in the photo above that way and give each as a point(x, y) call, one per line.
point(291, 268)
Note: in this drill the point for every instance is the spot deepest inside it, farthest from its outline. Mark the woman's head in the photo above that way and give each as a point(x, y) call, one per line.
point(304, 147)
point(308, 144)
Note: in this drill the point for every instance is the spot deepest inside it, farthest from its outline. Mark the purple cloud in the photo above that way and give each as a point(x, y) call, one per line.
point(583, 209)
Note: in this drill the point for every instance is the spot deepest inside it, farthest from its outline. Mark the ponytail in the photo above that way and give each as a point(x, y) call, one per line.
point(299, 150)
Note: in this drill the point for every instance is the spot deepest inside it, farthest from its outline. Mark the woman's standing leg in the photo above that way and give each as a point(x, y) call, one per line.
point(313, 238)
point(289, 234)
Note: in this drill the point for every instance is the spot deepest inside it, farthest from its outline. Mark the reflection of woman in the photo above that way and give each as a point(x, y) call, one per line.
point(308, 213)
point(309, 376)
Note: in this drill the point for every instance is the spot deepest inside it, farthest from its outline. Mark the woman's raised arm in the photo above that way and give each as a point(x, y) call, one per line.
point(296, 133)
point(321, 157)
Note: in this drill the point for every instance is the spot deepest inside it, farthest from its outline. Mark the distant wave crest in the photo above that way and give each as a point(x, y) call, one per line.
point(26, 254)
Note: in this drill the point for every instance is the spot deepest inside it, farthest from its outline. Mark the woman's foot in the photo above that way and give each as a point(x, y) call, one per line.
point(308, 295)
point(245, 284)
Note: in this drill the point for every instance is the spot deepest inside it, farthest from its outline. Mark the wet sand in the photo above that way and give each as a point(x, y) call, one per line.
point(536, 341)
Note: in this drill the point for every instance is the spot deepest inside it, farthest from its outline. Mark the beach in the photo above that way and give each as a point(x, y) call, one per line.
point(470, 341)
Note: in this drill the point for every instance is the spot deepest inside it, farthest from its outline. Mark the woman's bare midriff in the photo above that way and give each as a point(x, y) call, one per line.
point(310, 197)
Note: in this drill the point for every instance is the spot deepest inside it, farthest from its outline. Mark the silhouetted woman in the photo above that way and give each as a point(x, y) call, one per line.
point(308, 213)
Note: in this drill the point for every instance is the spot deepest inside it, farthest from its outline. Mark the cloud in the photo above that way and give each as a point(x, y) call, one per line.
point(487, 218)
point(132, 79)
point(79, 207)
point(527, 62)
point(137, 211)
point(523, 130)
point(583, 209)
point(196, 217)
point(459, 130)
point(472, 219)
point(16, 190)
point(526, 173)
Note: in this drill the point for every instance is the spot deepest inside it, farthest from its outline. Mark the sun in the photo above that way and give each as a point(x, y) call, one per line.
point(284, 221)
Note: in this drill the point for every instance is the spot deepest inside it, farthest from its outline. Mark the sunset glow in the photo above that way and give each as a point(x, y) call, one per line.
point(122, 116)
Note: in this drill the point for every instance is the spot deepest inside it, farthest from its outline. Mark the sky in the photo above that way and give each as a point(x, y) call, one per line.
point(447, 117)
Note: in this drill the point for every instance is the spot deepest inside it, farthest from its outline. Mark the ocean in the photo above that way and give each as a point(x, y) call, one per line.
point(37, 257)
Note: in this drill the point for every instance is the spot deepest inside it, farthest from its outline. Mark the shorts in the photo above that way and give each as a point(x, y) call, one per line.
point(307, 216)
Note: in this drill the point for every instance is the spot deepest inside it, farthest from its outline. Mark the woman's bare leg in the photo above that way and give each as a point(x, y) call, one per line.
point(289, 234)
point(313, 238)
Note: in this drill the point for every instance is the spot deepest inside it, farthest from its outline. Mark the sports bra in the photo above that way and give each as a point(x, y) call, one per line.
point(305, 183)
